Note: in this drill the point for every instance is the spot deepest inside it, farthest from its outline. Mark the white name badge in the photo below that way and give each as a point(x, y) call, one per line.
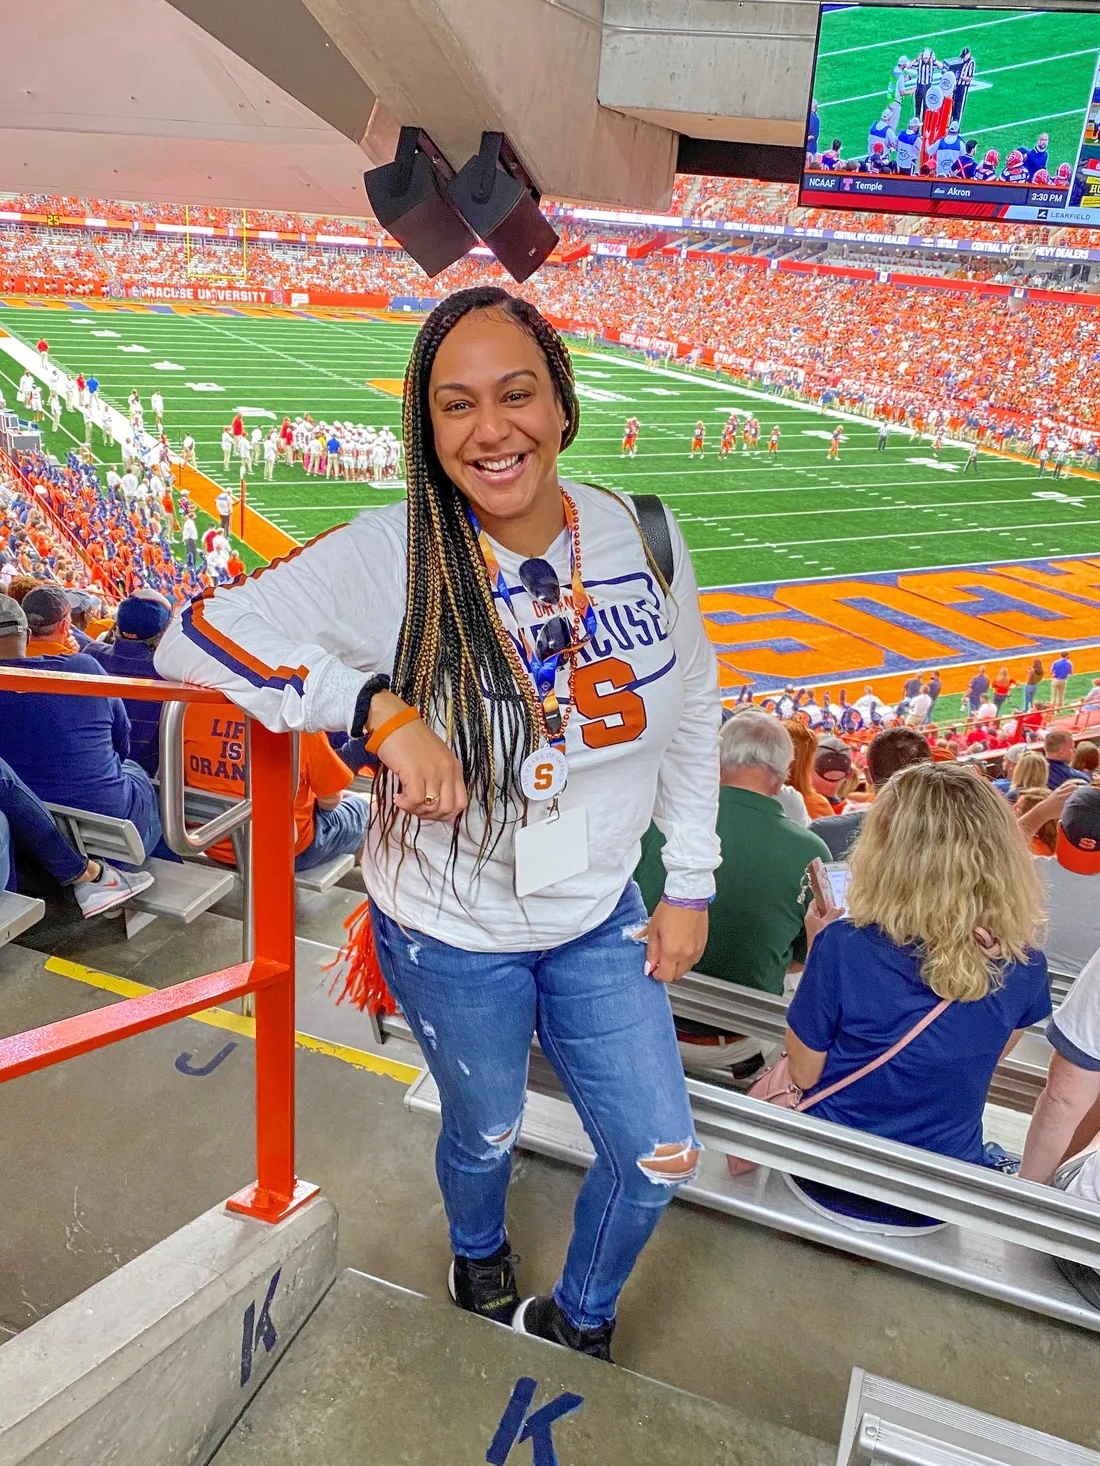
point(551, 850)
point(542, 774)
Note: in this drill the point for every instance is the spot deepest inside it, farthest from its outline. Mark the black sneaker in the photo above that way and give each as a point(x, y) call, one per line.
point(543, 1319)
point(486, 1285)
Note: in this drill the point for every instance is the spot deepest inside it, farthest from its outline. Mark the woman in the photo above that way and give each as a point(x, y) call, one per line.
point(1031, 683)
point(800, 774)
point(1002, 686)
point(1031, 772)
point(943, 903)
point(1086, 759)
point(440, 627)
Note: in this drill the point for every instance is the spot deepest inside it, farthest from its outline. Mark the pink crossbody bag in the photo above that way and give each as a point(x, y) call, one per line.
point(774, 1086)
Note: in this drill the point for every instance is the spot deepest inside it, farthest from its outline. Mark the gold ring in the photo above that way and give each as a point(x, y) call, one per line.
point(431, 799)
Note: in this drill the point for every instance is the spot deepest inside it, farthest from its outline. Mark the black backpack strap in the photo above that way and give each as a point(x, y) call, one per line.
point(654, 526)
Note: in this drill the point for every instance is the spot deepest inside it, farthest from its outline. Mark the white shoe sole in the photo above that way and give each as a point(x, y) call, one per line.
point(121, 896)
point(517, 1321)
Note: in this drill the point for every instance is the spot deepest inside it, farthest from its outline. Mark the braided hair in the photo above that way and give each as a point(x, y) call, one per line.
point(455, 662)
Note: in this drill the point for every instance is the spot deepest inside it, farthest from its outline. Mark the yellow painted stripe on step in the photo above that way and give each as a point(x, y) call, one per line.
point(123, 987)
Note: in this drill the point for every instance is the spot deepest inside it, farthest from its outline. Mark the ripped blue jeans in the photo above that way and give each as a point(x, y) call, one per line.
point(607, 1029)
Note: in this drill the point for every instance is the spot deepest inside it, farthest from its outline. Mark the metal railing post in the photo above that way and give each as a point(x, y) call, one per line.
point(277, 1190)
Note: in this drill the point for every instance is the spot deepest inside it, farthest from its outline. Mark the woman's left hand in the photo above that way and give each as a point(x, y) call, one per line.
point(676, 936)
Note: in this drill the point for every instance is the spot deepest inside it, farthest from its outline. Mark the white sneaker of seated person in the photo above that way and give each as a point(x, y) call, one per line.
point(717, 1052)
point(110, 888)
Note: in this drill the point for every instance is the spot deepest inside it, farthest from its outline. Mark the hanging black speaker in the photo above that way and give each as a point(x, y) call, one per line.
point(409, 199)
point(497, 198)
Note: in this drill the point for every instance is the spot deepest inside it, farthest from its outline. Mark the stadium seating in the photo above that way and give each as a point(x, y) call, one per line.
point(1001, 1231)
point(18, 914)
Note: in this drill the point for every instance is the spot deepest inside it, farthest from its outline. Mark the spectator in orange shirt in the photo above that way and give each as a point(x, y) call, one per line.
point(48, 614)
point(328, 822)
point(800, 776)
point(234, 566)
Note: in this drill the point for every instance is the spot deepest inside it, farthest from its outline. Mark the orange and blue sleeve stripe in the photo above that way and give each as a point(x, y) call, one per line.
point(198, 629)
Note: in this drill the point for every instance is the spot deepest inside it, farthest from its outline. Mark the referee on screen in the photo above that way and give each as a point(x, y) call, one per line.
point(926, 71)
point(964, 70)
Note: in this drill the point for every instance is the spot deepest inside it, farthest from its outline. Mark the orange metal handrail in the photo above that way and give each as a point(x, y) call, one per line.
point(277, 1190)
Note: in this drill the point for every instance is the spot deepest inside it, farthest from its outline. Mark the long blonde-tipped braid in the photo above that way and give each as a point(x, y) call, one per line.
point(454, 660)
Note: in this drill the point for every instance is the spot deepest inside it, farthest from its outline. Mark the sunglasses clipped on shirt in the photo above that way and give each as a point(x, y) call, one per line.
point(540, 580)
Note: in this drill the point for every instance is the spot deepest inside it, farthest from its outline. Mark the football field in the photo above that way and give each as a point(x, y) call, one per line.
point(1034, 72)
point(748, 519)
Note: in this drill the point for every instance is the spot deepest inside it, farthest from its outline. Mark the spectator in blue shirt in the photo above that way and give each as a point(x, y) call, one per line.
point(979, 686)
point(73, 750)
point(944, 903)
point(142, 620)
point(1058, 747)
point(1060, 670)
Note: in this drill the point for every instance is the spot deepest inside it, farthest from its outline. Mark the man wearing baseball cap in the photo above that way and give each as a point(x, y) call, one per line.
point(1071, 874)
point(49, 622)
point(142, 620)
point(832, 765)
point(73, 750)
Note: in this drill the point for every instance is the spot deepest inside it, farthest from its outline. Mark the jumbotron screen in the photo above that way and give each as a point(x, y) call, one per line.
point(981, 114)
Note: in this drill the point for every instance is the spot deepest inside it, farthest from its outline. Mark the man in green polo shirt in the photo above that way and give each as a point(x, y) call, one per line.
point(756, 918)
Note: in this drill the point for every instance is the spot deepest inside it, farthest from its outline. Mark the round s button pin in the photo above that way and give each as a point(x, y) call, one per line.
point(542, 774)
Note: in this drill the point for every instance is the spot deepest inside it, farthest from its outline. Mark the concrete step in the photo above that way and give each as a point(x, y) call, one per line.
point(380, 1376)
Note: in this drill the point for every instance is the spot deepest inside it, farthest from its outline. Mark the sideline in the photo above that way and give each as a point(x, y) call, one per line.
point(122, 987)
point(257, 532)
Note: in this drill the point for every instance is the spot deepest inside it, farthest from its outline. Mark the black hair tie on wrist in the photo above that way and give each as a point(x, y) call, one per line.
point(380, 683)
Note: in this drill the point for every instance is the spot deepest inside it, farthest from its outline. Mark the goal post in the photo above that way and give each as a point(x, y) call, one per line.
point(220, 255)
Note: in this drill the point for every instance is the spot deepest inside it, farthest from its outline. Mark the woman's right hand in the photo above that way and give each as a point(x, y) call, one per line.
point(432, 787)
point(814, 921)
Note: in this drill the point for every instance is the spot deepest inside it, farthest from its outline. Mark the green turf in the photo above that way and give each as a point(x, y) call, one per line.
point(746, 519)
point(1034, 72)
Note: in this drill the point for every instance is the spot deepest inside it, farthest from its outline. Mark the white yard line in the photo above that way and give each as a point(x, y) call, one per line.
point(926, 36)
point(909, 534)
point(1024, 122)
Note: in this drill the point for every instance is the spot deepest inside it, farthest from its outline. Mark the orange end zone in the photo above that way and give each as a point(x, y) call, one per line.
point(394, 386)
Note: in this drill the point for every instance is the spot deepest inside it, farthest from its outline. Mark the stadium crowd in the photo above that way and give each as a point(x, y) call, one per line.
point(934, 829)
point(693, 197)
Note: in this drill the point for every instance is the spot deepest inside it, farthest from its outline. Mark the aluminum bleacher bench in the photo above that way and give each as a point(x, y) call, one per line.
point(324, 877)
point(887, 1422)
point(1001, 1231)
point(1017, 1081)
point(1060, 984)
point(17, 914)
point(179, 892)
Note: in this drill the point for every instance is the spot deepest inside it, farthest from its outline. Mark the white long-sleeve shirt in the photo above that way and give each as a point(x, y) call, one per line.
point(293, 644)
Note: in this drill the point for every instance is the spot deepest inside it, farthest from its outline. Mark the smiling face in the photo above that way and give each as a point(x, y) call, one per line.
point(497, 424)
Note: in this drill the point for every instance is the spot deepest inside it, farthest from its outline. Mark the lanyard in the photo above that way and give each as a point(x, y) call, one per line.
point(543, 671)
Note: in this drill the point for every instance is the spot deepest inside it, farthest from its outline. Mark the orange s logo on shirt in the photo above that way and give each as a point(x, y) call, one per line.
point(615, 716)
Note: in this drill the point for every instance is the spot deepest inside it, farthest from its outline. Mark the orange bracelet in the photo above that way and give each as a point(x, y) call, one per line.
point(379, 736)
